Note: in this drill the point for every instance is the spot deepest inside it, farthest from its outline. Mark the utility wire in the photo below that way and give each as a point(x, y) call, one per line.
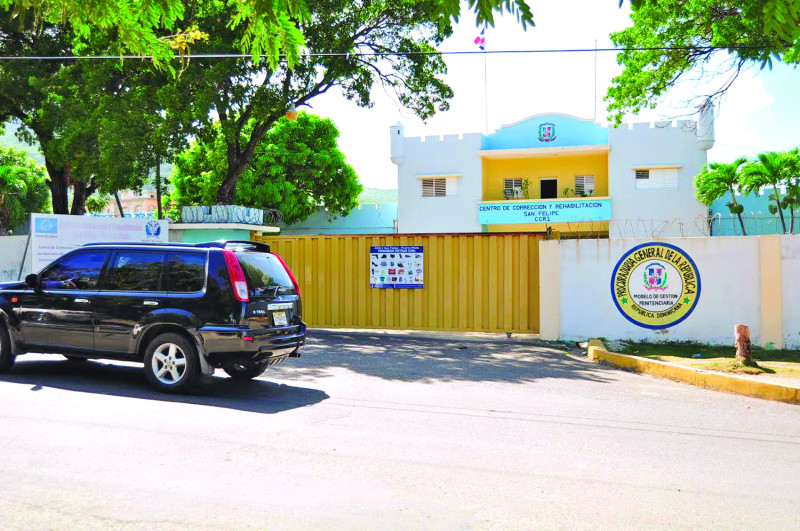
point(379, 54)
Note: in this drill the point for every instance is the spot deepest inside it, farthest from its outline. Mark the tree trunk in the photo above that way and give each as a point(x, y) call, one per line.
point(744, 349)
point(238, 160)
point(780, 210)
point(80, 193)
point(741, 222)
point(791, 219)
point(160, 214)
point(119, 204)
point(57, 182)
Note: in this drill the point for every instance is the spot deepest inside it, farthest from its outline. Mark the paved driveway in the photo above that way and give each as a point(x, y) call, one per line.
point(373, 431)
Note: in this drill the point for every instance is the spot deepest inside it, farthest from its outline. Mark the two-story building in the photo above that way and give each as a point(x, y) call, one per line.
point(553, 171)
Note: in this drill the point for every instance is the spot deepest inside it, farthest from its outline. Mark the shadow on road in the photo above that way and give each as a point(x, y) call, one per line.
point(432, 360)
point(257, 396)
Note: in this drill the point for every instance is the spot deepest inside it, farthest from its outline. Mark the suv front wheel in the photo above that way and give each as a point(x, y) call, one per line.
point(171, 364)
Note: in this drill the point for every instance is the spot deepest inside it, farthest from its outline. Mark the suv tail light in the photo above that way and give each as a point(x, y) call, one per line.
point(289, 272)
point(236, 275)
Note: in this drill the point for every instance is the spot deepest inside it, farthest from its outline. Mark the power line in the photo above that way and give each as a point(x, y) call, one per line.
point(380, 54)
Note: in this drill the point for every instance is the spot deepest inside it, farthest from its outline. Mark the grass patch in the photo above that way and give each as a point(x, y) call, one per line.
point(780, 363)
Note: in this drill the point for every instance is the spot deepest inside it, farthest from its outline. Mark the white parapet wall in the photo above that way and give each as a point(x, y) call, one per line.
point(14, 257)
point(747, 280)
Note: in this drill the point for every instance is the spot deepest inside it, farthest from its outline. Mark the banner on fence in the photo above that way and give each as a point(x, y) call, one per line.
point(52, 235)
point(396, 267)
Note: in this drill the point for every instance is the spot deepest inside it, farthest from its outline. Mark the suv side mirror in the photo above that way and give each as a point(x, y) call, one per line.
point(32, 281)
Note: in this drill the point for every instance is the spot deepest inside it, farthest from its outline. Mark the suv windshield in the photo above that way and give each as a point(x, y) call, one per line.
point(263, 270)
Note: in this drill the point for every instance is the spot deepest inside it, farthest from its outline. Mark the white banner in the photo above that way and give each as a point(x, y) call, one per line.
point(52, 235)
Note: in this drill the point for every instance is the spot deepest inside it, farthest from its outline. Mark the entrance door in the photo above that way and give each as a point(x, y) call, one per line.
point(548, 188)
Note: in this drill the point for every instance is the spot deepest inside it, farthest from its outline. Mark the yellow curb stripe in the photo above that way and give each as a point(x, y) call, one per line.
point(698, 377)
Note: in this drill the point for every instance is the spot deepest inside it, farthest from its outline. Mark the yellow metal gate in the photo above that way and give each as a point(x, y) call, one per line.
point(473, 282)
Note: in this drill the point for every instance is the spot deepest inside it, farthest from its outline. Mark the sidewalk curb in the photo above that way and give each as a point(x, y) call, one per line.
point(516, 339)
point(699, 377)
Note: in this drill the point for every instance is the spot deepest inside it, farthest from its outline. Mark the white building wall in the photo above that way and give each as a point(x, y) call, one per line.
point(448, 156)
point(648, 213)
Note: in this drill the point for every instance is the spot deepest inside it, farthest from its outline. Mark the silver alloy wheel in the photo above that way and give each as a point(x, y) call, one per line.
point(169, 363)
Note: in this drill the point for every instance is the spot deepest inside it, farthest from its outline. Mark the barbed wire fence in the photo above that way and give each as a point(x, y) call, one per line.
point(717, 225)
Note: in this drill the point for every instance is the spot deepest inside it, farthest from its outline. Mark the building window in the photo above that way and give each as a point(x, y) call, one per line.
point(512, 188)
point(657, 179)
point(584, 185)
point(434, 187)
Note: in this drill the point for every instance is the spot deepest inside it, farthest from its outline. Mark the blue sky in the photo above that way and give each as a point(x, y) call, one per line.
point(759, 113)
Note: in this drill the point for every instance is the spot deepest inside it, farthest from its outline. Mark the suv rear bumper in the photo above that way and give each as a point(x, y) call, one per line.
point(226, 344)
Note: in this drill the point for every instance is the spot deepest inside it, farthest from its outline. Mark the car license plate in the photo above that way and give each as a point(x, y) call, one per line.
point(279, 318)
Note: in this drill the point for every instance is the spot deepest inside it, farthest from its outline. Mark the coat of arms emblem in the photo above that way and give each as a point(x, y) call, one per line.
point(547, 132)
point(655, 277)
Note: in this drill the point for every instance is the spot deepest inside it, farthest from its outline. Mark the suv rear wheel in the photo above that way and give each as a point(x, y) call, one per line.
point(244, 370)
point(171, 364)
point(6, 356)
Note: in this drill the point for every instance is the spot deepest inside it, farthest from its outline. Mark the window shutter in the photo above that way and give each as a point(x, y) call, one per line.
point(584, 185)
point(434, 187)
point(513, 187)
point(642, 174)
point(671, 178)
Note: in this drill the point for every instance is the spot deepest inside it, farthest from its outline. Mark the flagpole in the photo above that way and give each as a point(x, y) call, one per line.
point(485, 93)
point(595, 80)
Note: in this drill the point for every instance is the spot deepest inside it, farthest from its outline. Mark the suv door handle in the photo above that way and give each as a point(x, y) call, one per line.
point(151, 303)
point(82, 301)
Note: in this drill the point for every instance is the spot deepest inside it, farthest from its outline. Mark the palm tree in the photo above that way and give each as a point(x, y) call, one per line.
point(792, 198)
point(718, 179)
point(769, 169)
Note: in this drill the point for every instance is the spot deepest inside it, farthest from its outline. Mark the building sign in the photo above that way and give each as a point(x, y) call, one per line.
point(396, 267)
point(655, 285)
point(544, 211)
point(53, 236)
point(547, 132)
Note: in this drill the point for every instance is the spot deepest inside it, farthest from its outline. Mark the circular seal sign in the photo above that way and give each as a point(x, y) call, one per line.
point(655, 285)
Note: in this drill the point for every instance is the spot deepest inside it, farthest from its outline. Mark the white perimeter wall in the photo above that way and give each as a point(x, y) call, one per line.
point(651, 145)
point(790, 283)
point(730, 290)
point(437, 156)
point(12, 249)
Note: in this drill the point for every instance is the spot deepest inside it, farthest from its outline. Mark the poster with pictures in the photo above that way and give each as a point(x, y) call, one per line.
point(396, 267)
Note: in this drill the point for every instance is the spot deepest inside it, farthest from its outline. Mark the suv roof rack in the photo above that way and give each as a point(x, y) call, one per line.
point(224, 244)
point(218, 244)
point(139, 244)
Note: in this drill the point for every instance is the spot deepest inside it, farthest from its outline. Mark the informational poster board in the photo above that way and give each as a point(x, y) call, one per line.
point(52, 235)
point(396, 267)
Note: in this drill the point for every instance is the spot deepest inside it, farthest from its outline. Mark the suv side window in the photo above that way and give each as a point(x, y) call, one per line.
point(134, 271)
point(186, 272)
point(77, 271)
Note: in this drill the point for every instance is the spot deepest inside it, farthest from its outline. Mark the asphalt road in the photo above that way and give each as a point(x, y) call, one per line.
point(370, 431)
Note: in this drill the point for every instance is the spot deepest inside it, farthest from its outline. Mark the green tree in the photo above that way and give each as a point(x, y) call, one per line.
point(670, 38)
point(22, 188)
point(96, 203)
point(297, 168)
point(267, 29)
point(718, 179)
point(773, 170)
point(100, 124)
point(248, 98)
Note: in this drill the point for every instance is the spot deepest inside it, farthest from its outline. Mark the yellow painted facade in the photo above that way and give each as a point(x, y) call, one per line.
point(473, 282)
point(562, 167)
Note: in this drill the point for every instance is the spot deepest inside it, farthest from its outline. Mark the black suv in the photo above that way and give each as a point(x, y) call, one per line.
point(182, 309)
